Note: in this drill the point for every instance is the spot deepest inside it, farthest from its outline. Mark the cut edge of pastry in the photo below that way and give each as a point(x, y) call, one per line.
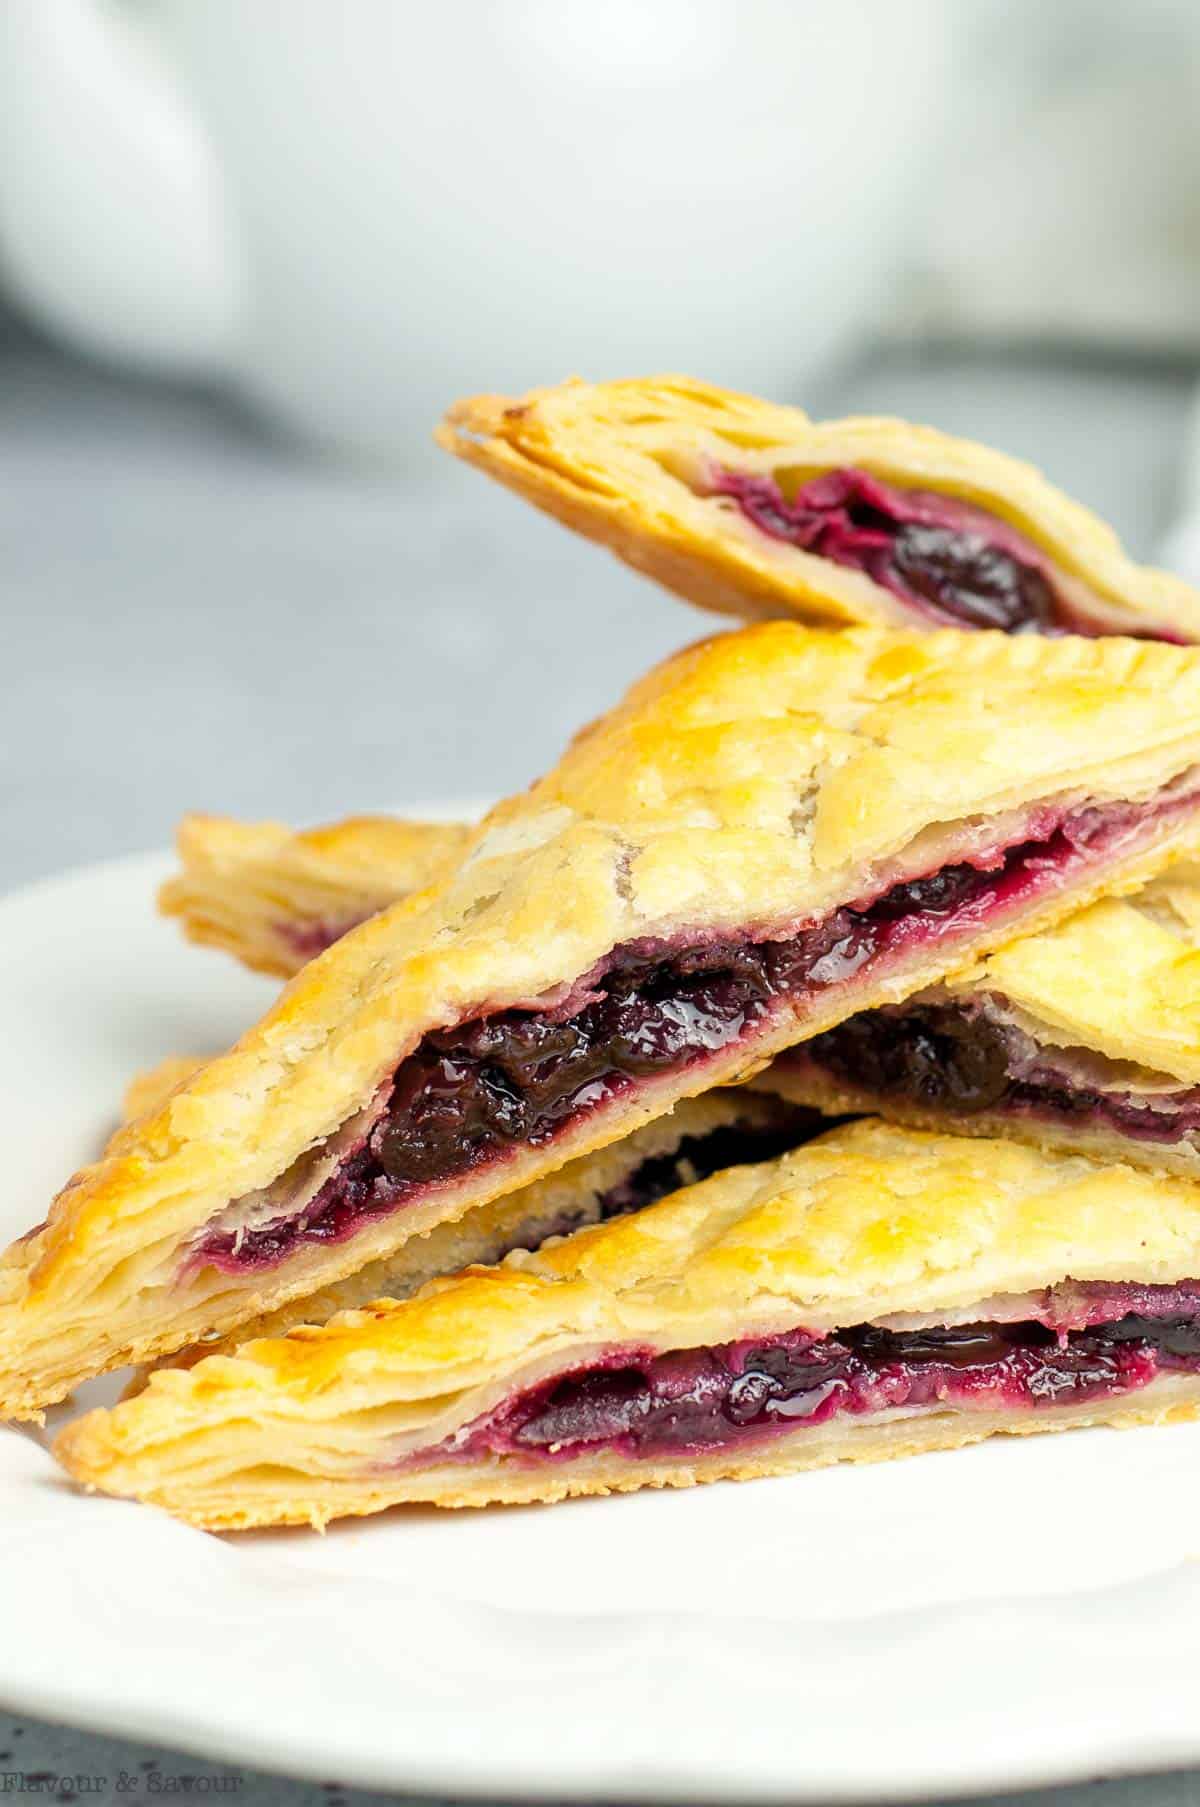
point(456, 1396)
point(100, 1460)
point(584, 1192)
point(274, 897)
point(620, 463)
point(1035, 1043)
point(220, 1308)
point(100, 1285)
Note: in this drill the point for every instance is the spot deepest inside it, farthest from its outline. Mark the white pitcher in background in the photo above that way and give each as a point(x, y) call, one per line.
point(355, 210)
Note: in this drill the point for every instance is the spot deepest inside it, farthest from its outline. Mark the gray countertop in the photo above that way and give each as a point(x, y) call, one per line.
point(195, 616)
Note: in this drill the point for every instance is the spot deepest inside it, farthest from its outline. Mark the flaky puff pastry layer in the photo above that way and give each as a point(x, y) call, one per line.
point(1115, 990)
point(748, 786)
point(274, 897)
point(555, 1205)
point(1121, 978)
point(628, 464)
point(867, 1224)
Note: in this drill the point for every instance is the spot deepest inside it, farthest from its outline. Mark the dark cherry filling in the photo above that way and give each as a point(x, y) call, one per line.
point(645, 1405)
point(698, 1157)
point(694, 1159)
point(958, 1059)
point(934, 1055)
point(475, 1093)
point(943, 555)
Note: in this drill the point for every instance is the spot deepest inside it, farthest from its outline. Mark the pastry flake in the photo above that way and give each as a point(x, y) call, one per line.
point(755, 510)
point(275, 896)
point(876, 1293)
point(774, 830)
point(1085, 1037)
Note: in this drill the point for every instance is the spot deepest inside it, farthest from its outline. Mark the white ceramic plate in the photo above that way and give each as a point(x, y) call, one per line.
point(1014, 1614)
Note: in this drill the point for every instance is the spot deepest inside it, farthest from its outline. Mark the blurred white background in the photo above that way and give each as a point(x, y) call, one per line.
point(352, 212)
point(349, 213)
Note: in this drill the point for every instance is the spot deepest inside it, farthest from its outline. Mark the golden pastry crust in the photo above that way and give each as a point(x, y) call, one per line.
point(1141, 1035)
point(865, 1225)
point(150, 1090)
point(259, 1498)
point(756, 782)
point(555, 1205)
point(626, 463)
point(274, 896)
point(1063, 981)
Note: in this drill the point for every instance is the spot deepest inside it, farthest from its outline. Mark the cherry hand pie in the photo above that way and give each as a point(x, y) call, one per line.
point(1085, 1037)
point(274, 897)
point(775, 830)
point(756, 510)
point(877, 1293)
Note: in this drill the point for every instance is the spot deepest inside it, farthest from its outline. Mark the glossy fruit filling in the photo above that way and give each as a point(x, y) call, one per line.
point(945, 557)
point(478, 1092)
point(641, 1405)
point(696, 1158)
point(966, 1058)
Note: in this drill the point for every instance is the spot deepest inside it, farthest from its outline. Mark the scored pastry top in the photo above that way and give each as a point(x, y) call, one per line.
point(711, 493)
point(761, 777)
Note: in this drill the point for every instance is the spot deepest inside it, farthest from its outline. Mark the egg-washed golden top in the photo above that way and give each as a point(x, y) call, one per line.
point(152, 1087)
point(758, 779)
point(867, 1222)
point(1121, 978)
point(627, 463)
point(267, 893)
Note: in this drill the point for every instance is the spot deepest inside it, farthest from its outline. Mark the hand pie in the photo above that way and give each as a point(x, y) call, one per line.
point(726, 1128)
point(274, 897)
point(756, 510)
point(877, 1293)
point(775, 829)
point(1086, 1037)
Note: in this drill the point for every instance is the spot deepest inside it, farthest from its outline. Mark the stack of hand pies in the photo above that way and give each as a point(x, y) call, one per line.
point(806, 1069)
